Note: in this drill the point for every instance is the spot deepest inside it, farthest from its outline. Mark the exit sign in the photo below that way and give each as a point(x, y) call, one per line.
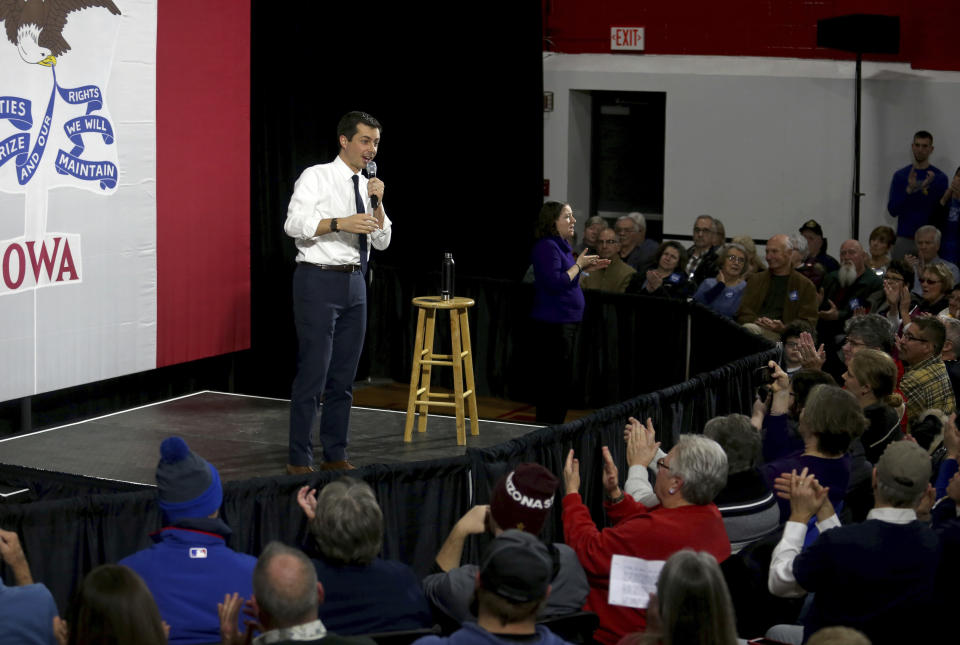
point(626, 39)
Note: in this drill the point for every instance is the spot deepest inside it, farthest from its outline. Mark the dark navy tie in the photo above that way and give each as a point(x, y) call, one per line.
point(361, 208)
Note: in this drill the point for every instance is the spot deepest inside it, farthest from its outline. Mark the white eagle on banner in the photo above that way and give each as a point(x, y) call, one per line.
point(55, 131)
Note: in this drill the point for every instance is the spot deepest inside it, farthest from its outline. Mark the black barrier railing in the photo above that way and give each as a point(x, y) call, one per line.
point(65, 538)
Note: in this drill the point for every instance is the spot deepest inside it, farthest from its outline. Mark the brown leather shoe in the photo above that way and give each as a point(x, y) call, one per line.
point(343, 464)
point(300, 470)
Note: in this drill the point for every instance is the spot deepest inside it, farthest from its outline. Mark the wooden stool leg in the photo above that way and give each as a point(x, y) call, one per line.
point(414, 378)
point(455, 352)
point(468, 369)
point(426, 371)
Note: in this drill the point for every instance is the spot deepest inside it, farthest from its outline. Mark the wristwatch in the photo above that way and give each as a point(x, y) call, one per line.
point(333, 225)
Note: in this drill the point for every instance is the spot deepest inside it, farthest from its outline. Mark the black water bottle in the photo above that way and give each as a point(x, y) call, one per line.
point(446, 277)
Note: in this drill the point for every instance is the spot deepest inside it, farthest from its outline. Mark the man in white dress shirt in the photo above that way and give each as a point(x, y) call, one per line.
point(334, 216)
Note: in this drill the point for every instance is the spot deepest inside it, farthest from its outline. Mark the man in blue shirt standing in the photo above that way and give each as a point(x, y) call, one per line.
point(915, 191)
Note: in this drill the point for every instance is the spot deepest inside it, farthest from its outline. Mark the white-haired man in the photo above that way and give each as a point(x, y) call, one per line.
point(776, 297)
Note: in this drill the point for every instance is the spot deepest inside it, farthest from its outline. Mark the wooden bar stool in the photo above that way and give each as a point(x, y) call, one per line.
point(460, 359)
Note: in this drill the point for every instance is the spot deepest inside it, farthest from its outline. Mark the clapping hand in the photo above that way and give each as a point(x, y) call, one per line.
point(641, 441)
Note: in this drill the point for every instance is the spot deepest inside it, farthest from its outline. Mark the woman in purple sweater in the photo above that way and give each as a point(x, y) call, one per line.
point(557, 306)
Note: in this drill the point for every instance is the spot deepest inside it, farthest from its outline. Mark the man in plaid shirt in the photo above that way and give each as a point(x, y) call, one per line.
point(925, 384)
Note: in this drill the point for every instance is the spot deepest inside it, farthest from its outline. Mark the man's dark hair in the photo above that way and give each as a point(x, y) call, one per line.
point(904, 269)
point(348, 124)
point(923, 134)
point(803, 382)
point(547, 219)
point(934, 331)
point(797, 327)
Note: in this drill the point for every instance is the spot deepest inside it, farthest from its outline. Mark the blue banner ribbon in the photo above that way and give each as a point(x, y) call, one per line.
point(104, 171)
point(92, 123)
point(14, 146)
point(16, 110)
point(27, 164)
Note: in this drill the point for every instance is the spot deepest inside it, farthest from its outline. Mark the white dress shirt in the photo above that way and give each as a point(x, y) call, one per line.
point(323, 192)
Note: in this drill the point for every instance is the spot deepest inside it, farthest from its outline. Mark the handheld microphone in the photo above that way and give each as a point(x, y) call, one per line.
point(372, 173)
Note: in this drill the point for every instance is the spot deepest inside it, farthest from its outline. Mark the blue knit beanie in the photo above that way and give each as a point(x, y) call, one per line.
point(189, 486)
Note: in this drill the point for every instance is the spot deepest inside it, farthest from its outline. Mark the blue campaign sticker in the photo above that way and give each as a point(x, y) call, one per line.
point(854, 304)
point(793, 295)
point(728, 294)
point(674, 277)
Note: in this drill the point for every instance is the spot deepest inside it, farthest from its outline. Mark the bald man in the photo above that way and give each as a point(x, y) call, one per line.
point(776, 297)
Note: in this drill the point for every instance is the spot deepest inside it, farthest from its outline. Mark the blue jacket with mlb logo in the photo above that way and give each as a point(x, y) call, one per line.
point(189, 570)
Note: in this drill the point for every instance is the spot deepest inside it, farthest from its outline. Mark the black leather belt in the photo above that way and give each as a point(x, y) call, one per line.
point(339, 268)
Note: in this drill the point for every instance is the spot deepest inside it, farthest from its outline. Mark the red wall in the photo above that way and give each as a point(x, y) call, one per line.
point(203, 179)
point(786, 28)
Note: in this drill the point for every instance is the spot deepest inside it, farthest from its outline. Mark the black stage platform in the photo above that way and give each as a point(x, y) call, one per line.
point(243, 436)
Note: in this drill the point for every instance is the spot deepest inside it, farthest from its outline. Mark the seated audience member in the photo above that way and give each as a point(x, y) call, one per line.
point(723, 292)
point(688, 479)
point(895, 301)
point(692, 604)
point(791, 339)
point(775, 298)
point(719, 233)
point(747, 505)
point(112, 605)
point(512, 585)
point(935, 286)
point(635, 249)
point(286, 598)
point(364, 593)
point(947, 217)
point(755, 263)
point(871, 377)
point(804, 263)
point(522, 500)
point(946, 519)
point(830, 420)
point(845, 291)
point(928, 248)
point(591, 235)
point(190, 567)
point(615, 277)
point(951, 353)
point(27, 609)
point(817, 245)
point(789, 403)
point(871, 331)
point(925, 384)
point(882, 240)
point(666, 278)
point(702, 255)
point(953, 304)
point(868, 576)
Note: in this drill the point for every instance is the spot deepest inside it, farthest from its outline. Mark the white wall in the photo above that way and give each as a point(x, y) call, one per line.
point(763, 144)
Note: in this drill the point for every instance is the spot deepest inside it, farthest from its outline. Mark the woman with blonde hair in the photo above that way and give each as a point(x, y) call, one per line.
point(754, 262)
point(871, 377)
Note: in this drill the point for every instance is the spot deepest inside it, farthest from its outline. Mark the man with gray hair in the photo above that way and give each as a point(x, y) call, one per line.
point(286, 597)
point(635, 249)
point(927, 240)
point(868, 576)
point(365, 593)
point(776, 297)
point(702, 254)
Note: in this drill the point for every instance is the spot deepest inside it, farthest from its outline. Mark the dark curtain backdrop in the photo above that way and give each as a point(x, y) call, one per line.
point(458, 89)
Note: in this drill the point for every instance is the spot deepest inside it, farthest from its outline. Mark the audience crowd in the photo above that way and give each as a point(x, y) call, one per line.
point(845, 497)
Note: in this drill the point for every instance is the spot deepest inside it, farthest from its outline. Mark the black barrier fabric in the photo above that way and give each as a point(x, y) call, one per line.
point(65, 538)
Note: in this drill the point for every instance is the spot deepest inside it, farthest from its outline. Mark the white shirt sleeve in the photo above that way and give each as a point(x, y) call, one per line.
point(780, 580)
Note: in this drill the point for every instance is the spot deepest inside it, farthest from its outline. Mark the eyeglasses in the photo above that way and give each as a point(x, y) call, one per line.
point(892, 278)
point(623, 231)
point(909, 336)
point(736, 259)
point(602, 242)
point(853, 342)
point(661, 464)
